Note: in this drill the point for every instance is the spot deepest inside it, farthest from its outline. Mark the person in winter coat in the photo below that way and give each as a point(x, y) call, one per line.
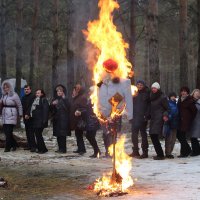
point(170, 126)
point(92, 125)
point(60, 109)
point(27, 101)
point(195, 127)
point(158, 114)
point(187, 113)
point(39, 116)
point(11, 109)
point(141, 102)
point(77, 123)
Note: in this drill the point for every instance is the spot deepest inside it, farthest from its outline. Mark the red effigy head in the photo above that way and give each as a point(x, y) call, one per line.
point(110, 65)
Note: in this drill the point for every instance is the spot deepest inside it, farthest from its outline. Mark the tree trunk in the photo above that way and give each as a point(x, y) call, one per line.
point(70, 72)
point(19, 18)
point(198, 64)
point(33, 41)
point(183, 43)
point(2, 41)
point(70, 56)
point(132, 36)
point(146, 47)
point(153, 41)
point(55, 44)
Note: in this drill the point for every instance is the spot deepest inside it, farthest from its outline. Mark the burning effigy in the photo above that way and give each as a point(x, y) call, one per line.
point(112, 96)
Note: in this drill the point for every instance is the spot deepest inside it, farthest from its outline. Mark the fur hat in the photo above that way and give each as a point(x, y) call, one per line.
point(110, 65)
point(156, 85)
point(11, 88)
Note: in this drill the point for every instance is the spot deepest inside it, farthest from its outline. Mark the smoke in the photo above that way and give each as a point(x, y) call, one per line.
point(90, 55)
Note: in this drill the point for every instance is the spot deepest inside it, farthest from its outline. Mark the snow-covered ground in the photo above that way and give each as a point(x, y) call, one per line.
point(157, 180)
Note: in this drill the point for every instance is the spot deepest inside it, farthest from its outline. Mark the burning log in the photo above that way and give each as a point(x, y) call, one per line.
point(116, 177)
point(112, 194)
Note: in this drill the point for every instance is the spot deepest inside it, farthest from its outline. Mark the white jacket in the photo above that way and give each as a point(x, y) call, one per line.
point(12, 106)
point(106, 91)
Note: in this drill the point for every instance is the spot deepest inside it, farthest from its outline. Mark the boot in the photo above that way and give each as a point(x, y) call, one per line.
point(144, 155)
point(95, 155)
point(135, 154)
point(158, 157)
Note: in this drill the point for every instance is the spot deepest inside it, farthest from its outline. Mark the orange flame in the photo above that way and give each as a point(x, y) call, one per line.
point(103, 34)
point(134, 90)
point(118, 107)
point(123, 168)
point(109, 43)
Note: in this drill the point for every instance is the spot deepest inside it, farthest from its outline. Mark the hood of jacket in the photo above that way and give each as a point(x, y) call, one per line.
point(11, 92)
point(55, 92)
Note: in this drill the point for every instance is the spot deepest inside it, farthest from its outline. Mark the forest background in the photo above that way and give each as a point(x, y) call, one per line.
point(42, 41)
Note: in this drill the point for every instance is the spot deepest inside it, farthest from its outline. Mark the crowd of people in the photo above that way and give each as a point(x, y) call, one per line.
point(167, 116)
point(172, 117)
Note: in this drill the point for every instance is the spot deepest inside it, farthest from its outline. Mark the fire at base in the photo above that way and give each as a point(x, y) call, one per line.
point(104, 186)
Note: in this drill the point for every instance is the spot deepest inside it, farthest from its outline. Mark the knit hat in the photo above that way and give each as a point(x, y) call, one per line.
point(172, 94)
point(110, 65)
point(156, 85)
point(140, 81)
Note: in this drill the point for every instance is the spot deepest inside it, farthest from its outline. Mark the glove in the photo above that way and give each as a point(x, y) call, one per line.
point(22, 125)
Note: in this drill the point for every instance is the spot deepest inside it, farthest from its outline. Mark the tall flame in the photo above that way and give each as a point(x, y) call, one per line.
point(123, 168)
point(109, 43)
point(103, 34)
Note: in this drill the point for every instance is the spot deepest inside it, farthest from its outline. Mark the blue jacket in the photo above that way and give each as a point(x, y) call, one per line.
point(173, 114)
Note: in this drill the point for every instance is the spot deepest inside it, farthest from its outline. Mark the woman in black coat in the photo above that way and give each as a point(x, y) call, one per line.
point(60, 110)
point(158, 114)
point(92, 125)
point(77, 107)
point(39, 118)
point(187, 113)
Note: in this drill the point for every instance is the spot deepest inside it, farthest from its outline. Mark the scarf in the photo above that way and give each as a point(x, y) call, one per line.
point(183, 98)
point(36, 102)
point(155, 96)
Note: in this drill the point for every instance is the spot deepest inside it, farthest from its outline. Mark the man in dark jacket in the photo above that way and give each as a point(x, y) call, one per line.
point(187, 113)
point(27, 101)
point(141, 102)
